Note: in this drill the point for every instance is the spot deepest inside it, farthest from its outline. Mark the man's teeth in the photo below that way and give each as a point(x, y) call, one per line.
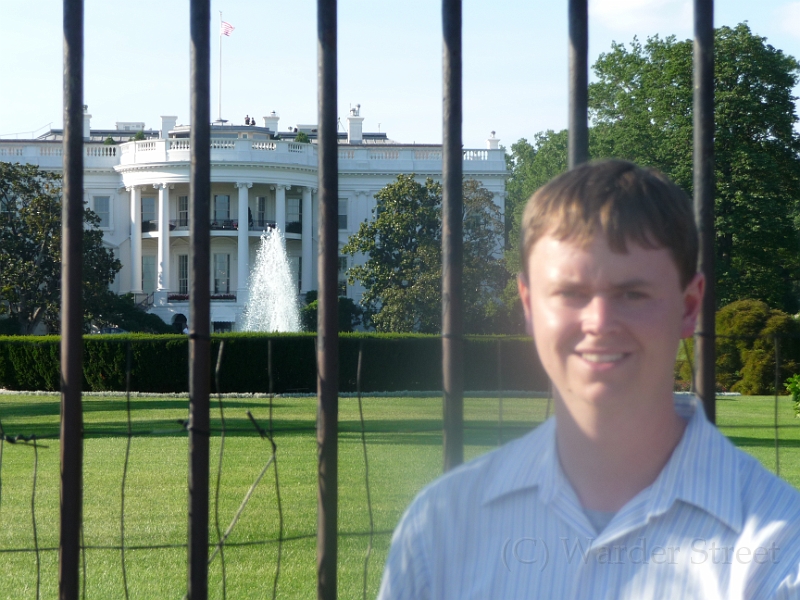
point(602, 358)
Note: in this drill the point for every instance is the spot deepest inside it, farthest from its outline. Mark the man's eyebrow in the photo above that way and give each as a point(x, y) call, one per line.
point(632, 283)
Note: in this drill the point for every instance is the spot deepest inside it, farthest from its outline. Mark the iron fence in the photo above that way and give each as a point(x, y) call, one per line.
point(199, 432)
point(490, 421)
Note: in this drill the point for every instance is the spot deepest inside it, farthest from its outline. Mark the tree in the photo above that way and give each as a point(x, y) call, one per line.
point(108, 309)
point(403, 270)
point(641, 108)
point(30, 248)
point(350, 313)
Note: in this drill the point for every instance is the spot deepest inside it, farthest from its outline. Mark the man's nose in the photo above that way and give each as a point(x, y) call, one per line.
point(599, 315)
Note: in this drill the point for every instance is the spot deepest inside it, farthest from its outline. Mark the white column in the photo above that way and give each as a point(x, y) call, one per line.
point(244, 242)
point(162, 260)
point(306, 281)
point(136, 238)
point(280, 207)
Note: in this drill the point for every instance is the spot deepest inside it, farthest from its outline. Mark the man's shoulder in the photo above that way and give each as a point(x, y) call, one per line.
point(468, 487)
point(764, 493)
point(759, 490)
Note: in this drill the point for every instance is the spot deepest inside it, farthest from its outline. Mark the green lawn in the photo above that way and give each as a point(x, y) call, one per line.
point(404, 450)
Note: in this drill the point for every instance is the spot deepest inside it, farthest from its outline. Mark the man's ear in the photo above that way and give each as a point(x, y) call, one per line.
point(525, 297)
point(692, 303)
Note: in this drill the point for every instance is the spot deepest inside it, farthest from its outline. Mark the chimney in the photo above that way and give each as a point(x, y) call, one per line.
point(354, 122)
point(87, 119)
point(167, 125)
point(271, 122)
point(493, 143)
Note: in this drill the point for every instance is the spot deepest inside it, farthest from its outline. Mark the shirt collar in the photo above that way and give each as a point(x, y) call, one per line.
point(702, 471)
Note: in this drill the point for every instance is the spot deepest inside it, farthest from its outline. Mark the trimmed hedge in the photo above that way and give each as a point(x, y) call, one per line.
point(391, 362)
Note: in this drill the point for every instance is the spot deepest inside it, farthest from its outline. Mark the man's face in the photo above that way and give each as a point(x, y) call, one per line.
point(607, 325)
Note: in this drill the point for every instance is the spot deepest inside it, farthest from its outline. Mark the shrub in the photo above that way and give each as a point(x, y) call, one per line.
point(746, 334)
point(350, 313)
point(793, 387)
point(160, 363)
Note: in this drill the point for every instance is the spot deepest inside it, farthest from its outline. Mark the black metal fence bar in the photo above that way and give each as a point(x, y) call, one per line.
point(199, 307)
point(578, 128)
point(704, 196)
point(328, 326)
point(452, 238)
point(71, 306)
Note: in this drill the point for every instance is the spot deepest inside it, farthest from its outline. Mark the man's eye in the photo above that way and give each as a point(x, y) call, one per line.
point(572, 294)
point(634, 295)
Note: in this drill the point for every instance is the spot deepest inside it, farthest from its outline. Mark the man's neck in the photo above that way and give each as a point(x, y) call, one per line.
point(609, 459)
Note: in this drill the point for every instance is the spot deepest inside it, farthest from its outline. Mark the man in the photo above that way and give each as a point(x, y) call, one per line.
point(628, 492)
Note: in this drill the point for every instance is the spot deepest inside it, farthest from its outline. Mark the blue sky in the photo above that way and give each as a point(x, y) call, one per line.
point(137, 64)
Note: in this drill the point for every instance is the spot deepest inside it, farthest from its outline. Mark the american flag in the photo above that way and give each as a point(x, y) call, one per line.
point(225, 28)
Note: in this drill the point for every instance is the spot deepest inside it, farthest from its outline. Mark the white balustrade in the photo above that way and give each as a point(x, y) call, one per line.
point(11, 151)
point(222, 144)
point(181, 144)
point(425, 154)
point(101, 150)
point(476, 154)
point(145, 146)
point(347, 154)
point(269, 146)
point(384, 154)
point(296, 147)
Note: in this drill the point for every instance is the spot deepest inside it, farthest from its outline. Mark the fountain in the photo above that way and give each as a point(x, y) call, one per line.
point(272, 299)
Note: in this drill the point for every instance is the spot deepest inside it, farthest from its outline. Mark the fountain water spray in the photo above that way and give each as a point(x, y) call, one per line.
point(272, 303)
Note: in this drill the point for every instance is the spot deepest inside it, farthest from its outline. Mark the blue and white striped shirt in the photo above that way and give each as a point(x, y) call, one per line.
point(508, 525)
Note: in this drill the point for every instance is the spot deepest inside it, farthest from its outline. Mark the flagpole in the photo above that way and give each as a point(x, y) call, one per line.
point(220, 66)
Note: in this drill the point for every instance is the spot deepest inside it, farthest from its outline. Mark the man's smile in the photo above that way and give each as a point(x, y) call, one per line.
point(597, 357)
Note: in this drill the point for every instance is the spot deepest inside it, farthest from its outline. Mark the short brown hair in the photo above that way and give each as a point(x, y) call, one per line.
point(624, 202)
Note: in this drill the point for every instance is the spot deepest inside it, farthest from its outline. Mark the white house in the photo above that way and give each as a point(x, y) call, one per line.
point(260, 178)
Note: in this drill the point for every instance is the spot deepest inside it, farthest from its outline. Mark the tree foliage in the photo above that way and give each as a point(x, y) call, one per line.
point(403, 270)
point(350, 314)
point(641, 109)
point(30, 248)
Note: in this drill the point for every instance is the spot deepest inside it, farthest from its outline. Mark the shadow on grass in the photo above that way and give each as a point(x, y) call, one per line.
point(741, 441)
point(378, 431)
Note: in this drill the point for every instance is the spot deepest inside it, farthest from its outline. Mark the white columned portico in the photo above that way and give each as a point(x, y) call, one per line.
point(162, 277)
point(243, 242)
point(136, 238)
point(306, 280)
point(280, 208)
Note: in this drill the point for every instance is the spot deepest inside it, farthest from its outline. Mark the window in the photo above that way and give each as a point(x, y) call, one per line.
point(148, 209)
point(102, 206)
point(183, 211)
point(265, 211)
point(293, 224)
point(222, 273)
point(222, 208)
point(223, 327)
point(342, 213)
point(342, 287)
point(148, 274)
point(261, 211)
point(183, 273)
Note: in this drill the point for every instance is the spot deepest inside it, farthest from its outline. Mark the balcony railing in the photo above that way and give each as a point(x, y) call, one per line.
point(224, 224)
point(179, 224)
point(262, 225)
point(215, 297)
